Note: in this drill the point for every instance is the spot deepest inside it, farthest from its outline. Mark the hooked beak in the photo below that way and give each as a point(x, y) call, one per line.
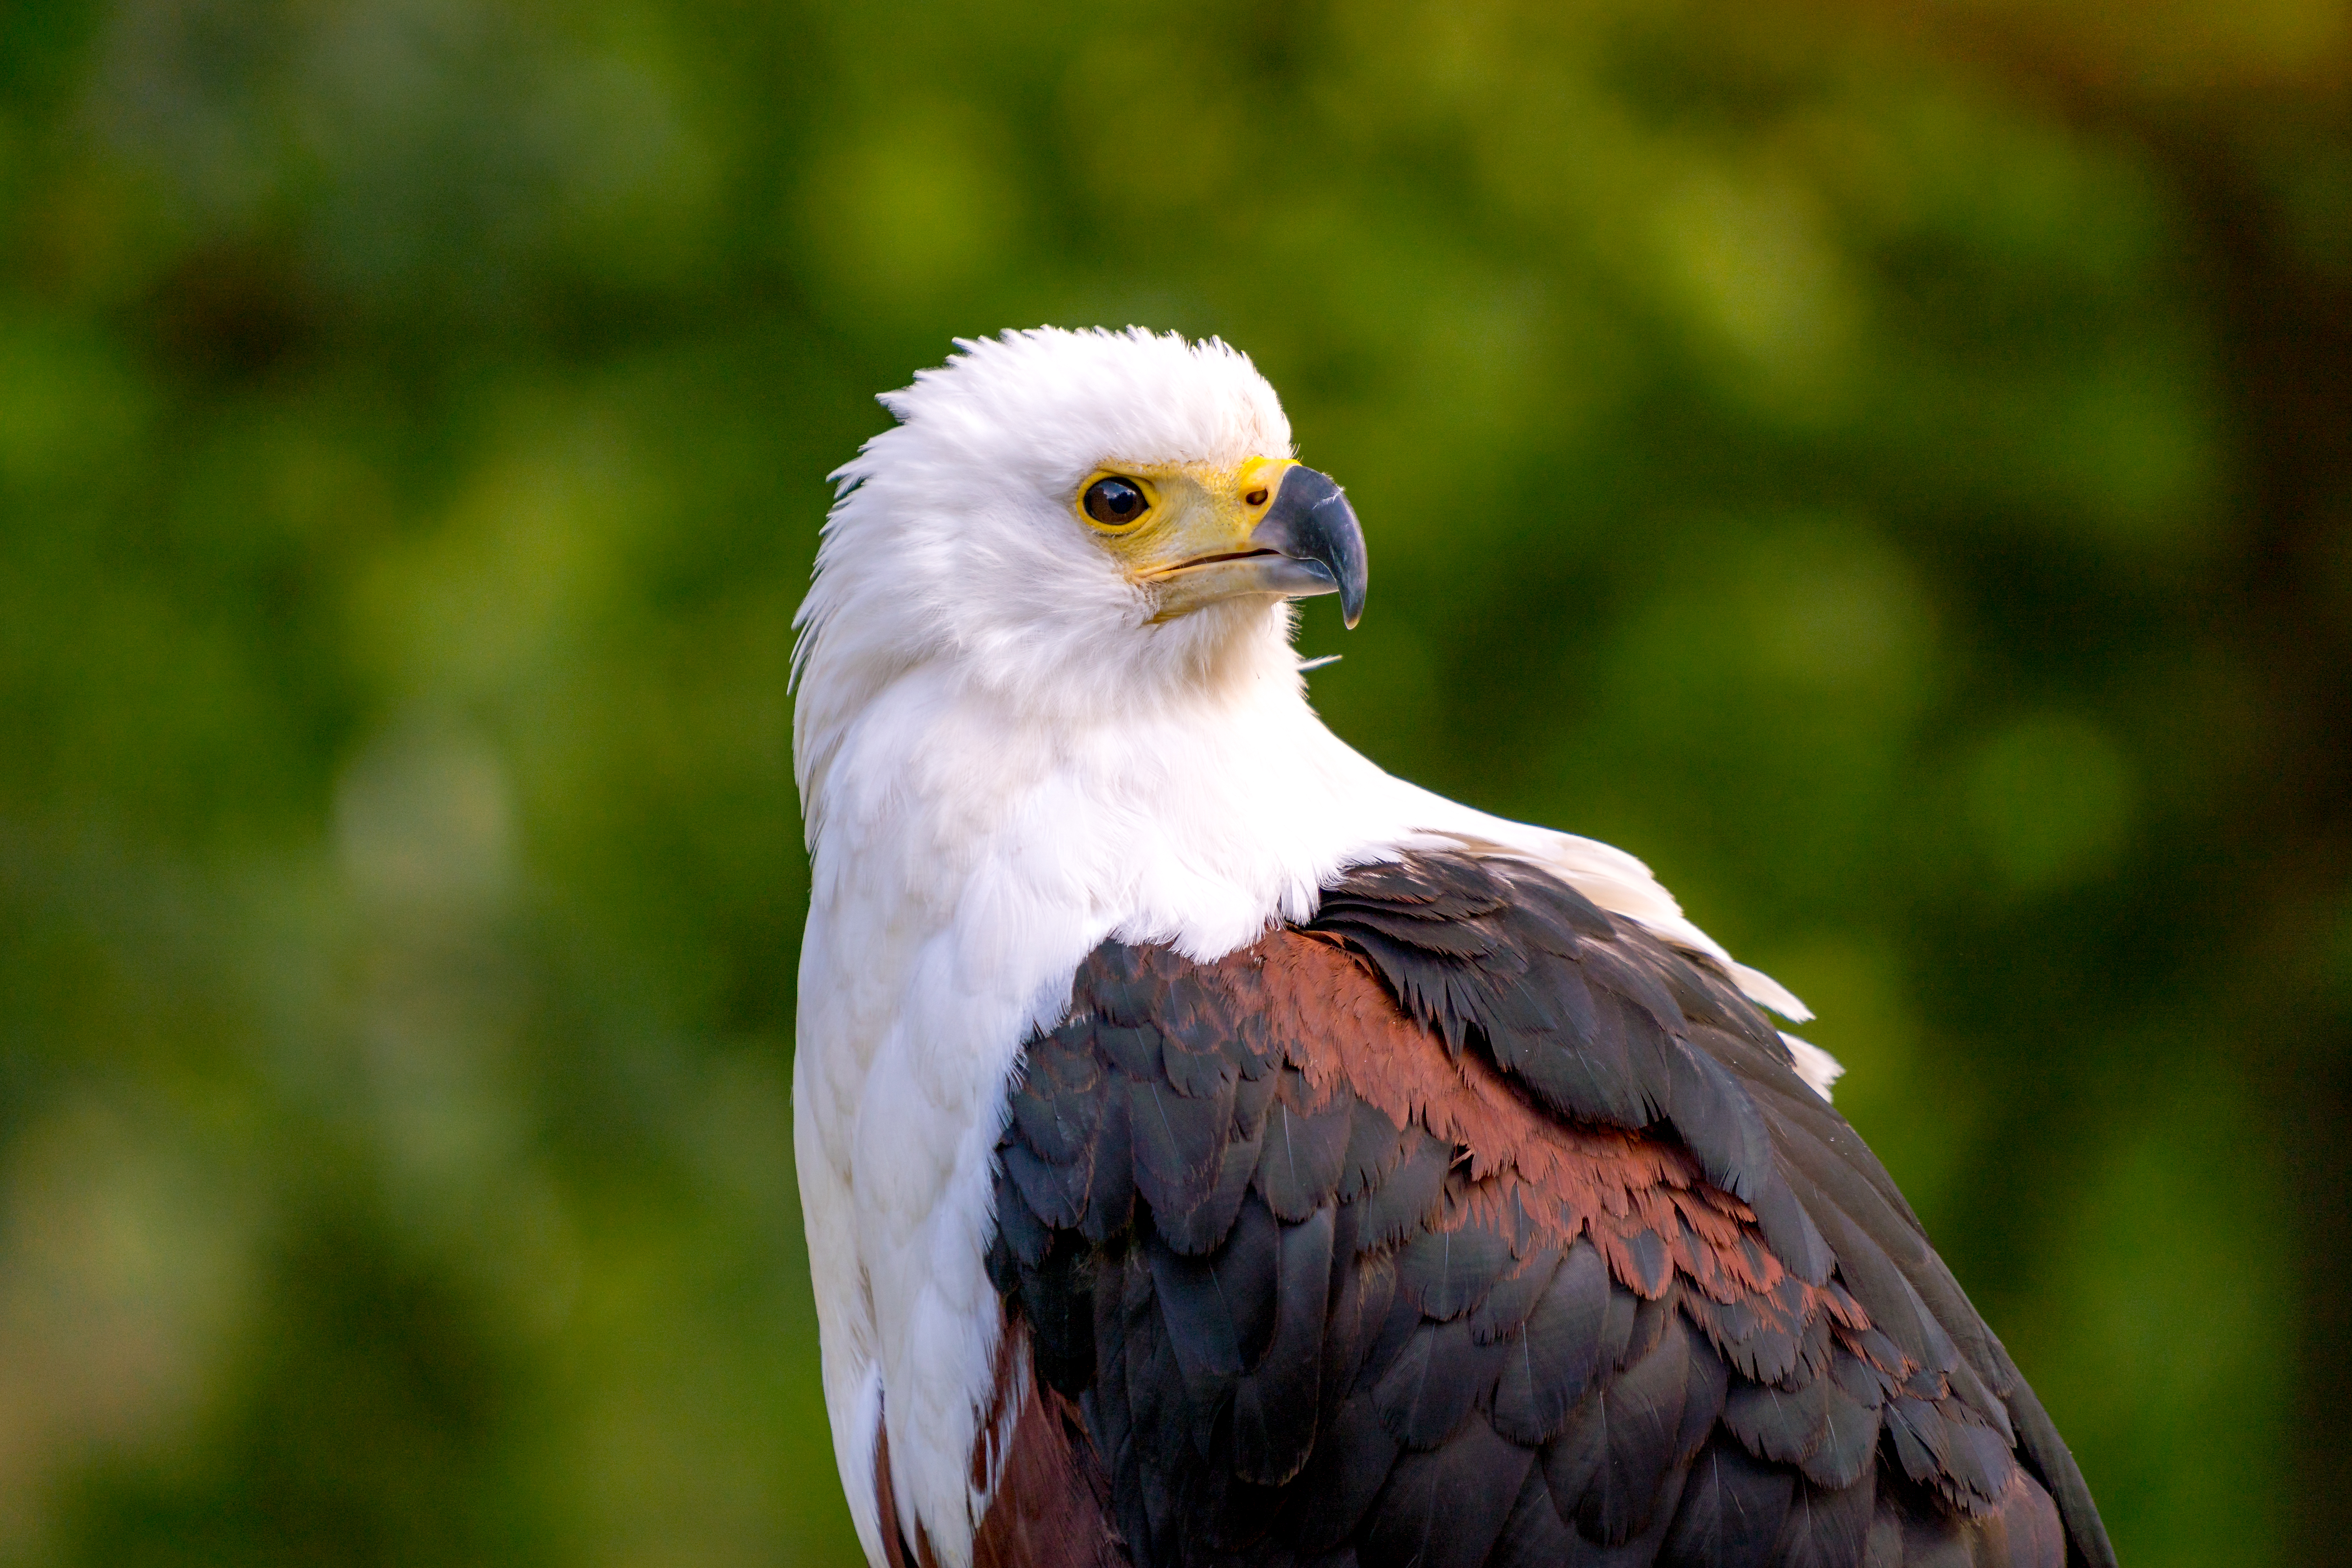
point(1314, 532)
point(1308, 543)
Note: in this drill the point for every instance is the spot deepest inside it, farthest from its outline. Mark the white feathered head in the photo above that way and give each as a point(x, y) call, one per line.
point(1076, 523)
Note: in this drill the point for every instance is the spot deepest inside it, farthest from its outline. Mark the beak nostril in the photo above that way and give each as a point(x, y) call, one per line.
point(1255, 497)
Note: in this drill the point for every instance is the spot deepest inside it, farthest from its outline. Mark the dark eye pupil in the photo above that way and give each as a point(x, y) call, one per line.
point(1114, 500)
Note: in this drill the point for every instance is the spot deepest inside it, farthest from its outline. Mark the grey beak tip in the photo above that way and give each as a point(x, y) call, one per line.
point(1311, 521)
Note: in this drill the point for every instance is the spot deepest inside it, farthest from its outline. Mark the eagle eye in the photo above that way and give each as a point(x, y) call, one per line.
point(1116, 502)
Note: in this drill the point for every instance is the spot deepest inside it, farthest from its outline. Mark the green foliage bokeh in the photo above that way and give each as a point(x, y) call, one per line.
point(1872, 468)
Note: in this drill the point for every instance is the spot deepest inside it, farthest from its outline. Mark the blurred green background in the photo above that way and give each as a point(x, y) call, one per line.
point(1890, 467)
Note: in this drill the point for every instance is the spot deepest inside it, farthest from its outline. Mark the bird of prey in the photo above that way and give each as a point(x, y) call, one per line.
point(1217, 1150)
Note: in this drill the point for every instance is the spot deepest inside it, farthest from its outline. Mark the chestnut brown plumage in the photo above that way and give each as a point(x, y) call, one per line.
point(1468, 1225)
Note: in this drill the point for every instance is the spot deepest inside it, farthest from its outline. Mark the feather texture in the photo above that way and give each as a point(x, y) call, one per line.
point(1425, 1275)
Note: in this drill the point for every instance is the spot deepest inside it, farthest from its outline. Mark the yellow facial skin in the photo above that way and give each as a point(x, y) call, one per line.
point(1191, 546)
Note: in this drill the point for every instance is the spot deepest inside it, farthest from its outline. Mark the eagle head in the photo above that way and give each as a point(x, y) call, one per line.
point(1080, 523)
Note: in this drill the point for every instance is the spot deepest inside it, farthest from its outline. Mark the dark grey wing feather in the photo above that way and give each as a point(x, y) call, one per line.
point(1298, 1338)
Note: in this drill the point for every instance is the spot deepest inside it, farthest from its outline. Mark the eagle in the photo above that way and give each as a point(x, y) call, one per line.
point(1216, 1150)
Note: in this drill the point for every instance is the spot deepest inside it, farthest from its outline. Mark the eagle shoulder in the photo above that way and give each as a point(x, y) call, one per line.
point(1468, 1225)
